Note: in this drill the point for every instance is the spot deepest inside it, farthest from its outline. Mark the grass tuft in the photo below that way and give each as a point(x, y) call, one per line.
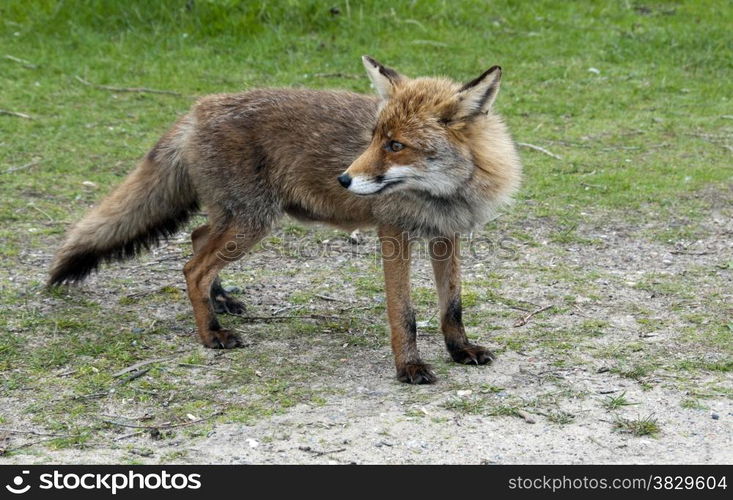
point(640, 426)
point(616, 402)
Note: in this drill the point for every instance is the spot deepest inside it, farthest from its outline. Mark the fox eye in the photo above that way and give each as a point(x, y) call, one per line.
point(395, 146)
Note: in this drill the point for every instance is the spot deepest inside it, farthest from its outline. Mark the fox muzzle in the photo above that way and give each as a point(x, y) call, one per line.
point(345, 180)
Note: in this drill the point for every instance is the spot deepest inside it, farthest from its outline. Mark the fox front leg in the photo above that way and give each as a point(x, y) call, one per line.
point(396, 260)
point(445, 258)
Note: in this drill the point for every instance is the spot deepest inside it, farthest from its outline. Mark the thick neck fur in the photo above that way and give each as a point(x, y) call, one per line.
point(460, 166)
point(493, 179)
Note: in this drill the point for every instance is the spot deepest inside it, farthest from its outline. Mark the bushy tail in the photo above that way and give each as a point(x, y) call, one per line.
point(149, 205)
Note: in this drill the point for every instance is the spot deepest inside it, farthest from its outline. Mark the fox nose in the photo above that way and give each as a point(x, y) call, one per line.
point(345, 180)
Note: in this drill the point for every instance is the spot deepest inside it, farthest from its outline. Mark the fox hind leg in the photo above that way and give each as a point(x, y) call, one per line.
point(221, 301)
point(220, 248)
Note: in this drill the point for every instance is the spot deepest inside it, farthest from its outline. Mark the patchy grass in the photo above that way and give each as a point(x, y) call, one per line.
point(636, 102)
point(692, 404)
point(467, 405)
point(639, 427)
point(636, 372)
point(615, 402)
point(561, 417)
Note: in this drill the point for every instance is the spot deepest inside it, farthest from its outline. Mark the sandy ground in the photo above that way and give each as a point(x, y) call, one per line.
point(368, 417)
point(370, 426)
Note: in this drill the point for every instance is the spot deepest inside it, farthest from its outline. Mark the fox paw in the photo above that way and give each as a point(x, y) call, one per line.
point(222, 339)
point(415, 373)
point(224, 304)
point(471, 354)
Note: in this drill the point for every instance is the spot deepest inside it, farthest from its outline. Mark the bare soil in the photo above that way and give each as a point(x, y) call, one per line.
point(626, 307)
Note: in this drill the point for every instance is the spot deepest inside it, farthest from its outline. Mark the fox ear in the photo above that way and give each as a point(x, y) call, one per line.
point(477, 96)
point(383, 78)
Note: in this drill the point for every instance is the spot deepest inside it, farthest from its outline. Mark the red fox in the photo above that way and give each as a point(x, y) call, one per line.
point(425, 158)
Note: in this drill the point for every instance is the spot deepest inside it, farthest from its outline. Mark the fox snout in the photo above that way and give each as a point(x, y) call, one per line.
point(370, 174)
point(345, 180)
point(365, 184)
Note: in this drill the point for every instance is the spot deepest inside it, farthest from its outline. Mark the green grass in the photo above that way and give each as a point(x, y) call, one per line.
point(663, 85)
point(639, 427)
point(692, 404)
point(640, 140)
point(636, 372)
point(466, 405)
point(560, 417)
point(616, 402)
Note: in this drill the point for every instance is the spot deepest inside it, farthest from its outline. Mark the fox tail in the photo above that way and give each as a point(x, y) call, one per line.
point(150, 205)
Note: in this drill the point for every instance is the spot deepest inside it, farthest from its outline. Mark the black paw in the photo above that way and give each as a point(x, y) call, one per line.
point(471, 354)
point(416, 373)
point(222, 339)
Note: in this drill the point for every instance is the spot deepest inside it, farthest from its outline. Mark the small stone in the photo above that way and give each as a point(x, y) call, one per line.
point(232, 289)
point(415, 444)
point(715, 416)
point(355, 237)
point(142, 452)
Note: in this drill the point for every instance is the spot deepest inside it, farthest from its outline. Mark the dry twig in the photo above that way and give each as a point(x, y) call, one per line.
point(136, 366)
point(22, 167)
point(329, 298)
point(526, 417)
point(16, 114)
point(337, 75)
point(594, 186)
point(685, 252)
point(34, 433)
point(319, 317)
point(42, 212)
point(540, 149)
point(134, 375)
point(23, 62)
point(132, 434)
point(318, 453)
point(208, 367)
point(167, 425)
point(524, 320)
point(126, 89)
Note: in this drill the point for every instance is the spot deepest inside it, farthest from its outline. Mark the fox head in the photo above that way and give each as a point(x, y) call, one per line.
point(425, 134)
